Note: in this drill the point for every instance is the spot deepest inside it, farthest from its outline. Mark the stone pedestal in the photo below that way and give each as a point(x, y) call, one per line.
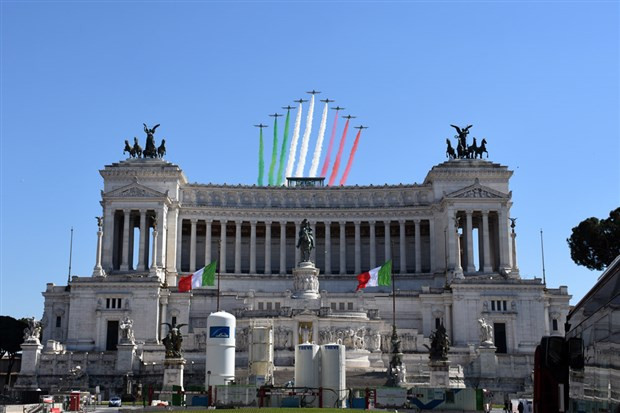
point(440, 373)
point(306, 281)
point(31, 354)
point(487, 360)
point(173, 373)
point(125, 356)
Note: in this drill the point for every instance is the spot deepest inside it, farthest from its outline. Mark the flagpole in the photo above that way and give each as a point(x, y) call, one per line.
point(219, 251)
point(70, 256)
point(393, 287)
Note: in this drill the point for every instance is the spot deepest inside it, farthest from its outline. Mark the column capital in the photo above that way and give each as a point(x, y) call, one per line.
point(223, 221)
point(387, 223)
point(469, 211)
point(417, 221)
point(126, 210)
point(193, 220)
point(342, 223)
point(142, 211)
point(357, 223)
point(209, 221)
point(238, 221)
point(268, 222)
point(402, 221)
point(372, 222)
point(485, 212)
point(253, 222)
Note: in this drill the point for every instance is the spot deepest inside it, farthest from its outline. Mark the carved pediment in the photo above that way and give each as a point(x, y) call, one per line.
point(135, 190)
point(477, 191)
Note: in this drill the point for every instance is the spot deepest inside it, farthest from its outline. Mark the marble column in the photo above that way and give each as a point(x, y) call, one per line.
point(238, 247)
point(171, 242)
point(313, 252)
point(142, 248)
point(358, 247)
point(267, 247)
point(388, 241)
point(223, 246)
point(328, 248)
point(98, 270)
point(208, 241)
point(282, 247)
point(179, 244)
point(418, 247)
point(458, 268)
point(373, 245)
point(403, 247)
point(109, 229)
point(253, 247)
point(192, 246)
point(513, 235)
point(432, 247)
point(469, 236)
point(297, 252)
point(125, 261)
point(163, 301)
point(154, 257)
point(504, 241)
point(343, 248)
point(486, 242)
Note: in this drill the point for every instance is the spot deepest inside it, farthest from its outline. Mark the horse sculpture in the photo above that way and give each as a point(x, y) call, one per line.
point(450, 154)
point(306, 240)
point(137, 148)
point(161, 150)
point(461, 150)
point(481, 149)
point(129, 149)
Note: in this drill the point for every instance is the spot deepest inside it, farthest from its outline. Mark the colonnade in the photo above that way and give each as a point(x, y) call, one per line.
point(125, 221)
point(268, 247)
point(492, 240)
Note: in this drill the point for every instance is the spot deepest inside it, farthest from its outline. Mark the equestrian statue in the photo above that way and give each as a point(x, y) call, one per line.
point(464, 151)
point(306, 240)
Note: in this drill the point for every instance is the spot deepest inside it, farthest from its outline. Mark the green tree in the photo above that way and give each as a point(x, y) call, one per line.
point(10, 340)
point(595, 243)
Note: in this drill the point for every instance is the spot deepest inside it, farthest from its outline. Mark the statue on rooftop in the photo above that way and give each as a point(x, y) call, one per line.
point(150, 151)
point(306, 240)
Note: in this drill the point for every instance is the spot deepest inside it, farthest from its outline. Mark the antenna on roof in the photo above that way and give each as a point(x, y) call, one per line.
point(542, 250)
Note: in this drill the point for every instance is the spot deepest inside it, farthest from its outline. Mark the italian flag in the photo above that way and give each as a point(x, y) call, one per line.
point(377, 276)
point(204, 277)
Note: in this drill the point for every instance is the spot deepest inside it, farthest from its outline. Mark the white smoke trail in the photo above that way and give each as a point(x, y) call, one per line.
point(305, 140)
point(292, 153)
point(319, 143)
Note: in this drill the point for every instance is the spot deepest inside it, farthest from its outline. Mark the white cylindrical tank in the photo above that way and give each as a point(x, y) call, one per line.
point(261, 351)
point(220, 348)
point(307, 365)
point(333, 375)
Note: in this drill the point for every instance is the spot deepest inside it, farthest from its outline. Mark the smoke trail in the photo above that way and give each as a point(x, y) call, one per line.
point(292, 153)
point(332, 178)
point(319, 143)
point(261, 160)
point(345, 175)
point(283, 150)
point(274, 152)
point(329, 147)
point(305, 140)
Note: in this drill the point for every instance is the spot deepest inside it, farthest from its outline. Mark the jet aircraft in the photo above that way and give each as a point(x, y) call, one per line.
point(313, 92)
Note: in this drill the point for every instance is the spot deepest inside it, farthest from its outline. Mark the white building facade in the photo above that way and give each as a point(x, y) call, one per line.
point(450, 240)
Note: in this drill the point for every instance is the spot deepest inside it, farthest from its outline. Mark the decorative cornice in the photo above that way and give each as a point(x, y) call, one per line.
point(135, 190)
point(477, 191)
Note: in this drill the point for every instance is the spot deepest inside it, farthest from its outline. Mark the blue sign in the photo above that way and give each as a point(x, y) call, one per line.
point(219, 332)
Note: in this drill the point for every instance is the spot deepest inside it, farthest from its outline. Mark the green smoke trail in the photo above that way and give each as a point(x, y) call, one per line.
point(283, 150)
point(274, 152)
point(261, 160)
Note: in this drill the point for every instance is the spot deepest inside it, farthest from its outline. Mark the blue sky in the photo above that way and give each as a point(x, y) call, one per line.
point(539, 80)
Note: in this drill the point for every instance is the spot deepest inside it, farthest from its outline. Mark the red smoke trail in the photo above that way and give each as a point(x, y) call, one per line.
point(332, 178)
point(345, 175)
point(329, 147)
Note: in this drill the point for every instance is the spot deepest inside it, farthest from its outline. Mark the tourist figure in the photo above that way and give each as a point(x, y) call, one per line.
point(520, 407)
